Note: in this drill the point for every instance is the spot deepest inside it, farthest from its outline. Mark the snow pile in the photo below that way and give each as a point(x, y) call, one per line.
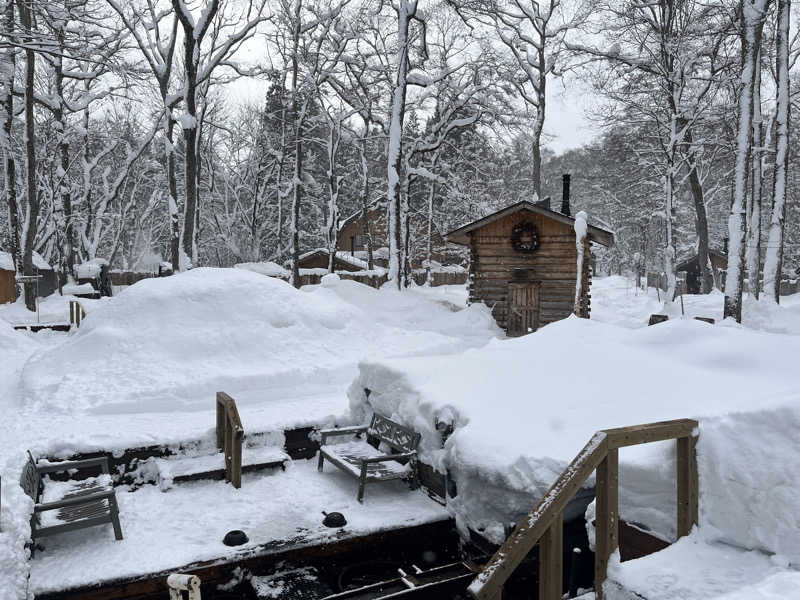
point(171, 343)
point(268, 268)
point(521, 409)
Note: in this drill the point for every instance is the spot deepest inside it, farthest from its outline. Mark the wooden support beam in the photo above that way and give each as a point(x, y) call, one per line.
point(606, 517)
point(688, 484)
point(652, 432)
point(551, 561)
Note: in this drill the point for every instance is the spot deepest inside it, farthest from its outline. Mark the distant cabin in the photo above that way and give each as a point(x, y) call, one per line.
point(523, 265)
point(691, 266)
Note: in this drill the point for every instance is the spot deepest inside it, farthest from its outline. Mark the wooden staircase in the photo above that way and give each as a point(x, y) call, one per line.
point(544, 525)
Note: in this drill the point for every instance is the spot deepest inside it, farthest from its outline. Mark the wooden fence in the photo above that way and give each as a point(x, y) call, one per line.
point(545, 523)
point(376, 281)
point(76, 313)
point(230, 434)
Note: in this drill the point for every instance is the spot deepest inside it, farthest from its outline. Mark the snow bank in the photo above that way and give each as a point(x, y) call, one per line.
point(521, 409)
point(168, 344)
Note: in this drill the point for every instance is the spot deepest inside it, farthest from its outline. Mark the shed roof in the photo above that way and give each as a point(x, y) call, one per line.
point(460, 235)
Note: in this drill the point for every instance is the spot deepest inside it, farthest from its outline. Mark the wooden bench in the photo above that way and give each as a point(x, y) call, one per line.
point(363, 458)
point(81, 504)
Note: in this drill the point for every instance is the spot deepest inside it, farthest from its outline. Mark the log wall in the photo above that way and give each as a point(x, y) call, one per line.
point(494, 264)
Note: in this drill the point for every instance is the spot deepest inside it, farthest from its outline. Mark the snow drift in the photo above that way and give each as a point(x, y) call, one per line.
point(521, 409)
point(171, 343)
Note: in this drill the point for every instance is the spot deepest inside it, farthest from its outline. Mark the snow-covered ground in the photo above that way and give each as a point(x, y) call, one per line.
point(165, 530)
point(145, 365)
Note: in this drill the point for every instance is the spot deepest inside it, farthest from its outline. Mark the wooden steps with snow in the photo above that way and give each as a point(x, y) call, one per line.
point(176, 469)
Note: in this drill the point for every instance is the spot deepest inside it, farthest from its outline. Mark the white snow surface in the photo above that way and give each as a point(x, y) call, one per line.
point(269, 268)
point(523, 408)
point(693, 569)
point(169, 343)
point(165, 530)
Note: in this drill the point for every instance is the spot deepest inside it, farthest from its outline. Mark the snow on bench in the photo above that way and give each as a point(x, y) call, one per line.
point(212, 466)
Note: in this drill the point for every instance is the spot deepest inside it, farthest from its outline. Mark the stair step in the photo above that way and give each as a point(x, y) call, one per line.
point(296, 584)
point(212, 466)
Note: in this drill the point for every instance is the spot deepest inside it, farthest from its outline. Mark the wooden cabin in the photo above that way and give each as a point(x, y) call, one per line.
point(7, 274)
point(523, 265)
point(691, 265)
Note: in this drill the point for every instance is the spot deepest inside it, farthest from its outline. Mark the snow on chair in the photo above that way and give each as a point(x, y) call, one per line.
point(364, 460)
point(79, 504)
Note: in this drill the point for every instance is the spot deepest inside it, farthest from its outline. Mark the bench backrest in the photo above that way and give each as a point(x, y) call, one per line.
point(395, 435)
point(30, 479)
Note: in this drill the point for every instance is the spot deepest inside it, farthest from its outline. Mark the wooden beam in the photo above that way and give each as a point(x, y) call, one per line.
point(551, 561)
point(606, 517)
point(652, 432)
point(688, 484)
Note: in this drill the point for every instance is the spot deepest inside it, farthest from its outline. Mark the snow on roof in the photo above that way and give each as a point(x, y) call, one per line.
point(90, 268)
point(6, 262)
point(522, 409)
point(341, 255)
point(269, 268)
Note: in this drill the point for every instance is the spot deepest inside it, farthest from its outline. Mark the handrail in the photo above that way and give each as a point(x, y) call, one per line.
point(545, 523)
point(230, 434)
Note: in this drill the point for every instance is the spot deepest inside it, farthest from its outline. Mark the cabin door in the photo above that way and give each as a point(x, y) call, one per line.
point(523, 308)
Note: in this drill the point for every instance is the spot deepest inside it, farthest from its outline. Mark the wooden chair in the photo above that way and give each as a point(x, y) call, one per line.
point(364, 460)
point(86, 503)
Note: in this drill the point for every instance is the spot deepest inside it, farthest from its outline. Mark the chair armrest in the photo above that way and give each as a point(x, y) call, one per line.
point(74, 501)
point(326, 433)
point(100, 461)
point(386, 457)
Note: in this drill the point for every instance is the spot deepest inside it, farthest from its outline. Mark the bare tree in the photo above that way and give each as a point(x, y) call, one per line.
point(753, 14)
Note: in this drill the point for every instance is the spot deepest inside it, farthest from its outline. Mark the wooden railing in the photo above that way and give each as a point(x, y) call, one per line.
point(545, 523)
point(76, 313)
point(230, 434)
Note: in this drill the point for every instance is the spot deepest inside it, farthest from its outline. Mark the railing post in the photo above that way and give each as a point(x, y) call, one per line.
point(220, 422)
point(687, 484)
point(551, 557)
point(71, 312)
point(606, 518)
point(227, 448)
point(236, 459)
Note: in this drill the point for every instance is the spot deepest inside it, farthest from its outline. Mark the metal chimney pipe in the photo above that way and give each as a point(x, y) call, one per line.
point(565, 194)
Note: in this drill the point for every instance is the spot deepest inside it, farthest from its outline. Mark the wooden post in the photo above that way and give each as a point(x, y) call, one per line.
point(220, 421)
point(607, 517)
point(551, 557)
point(226, 450)
point(687, 484)
point(236, 460)
point(72, 312)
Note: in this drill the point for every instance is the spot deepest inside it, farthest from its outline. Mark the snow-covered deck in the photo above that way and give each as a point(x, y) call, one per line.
point(168, 530)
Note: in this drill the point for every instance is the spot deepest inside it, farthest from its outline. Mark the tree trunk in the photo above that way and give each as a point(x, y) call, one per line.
point(737, 224)
point(32, 215)
point(405, 10)
point(364, 195)
point(172, 185)
point(538, 124)
point(7, 101)
point(332, 232)
point(701, 222)
point(189, 124)
point(297, 188)
point(753, 251)
point(774, 258)
point(68, 251)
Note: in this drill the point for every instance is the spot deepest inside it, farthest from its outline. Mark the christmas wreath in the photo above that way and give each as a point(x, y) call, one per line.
point(524, 237)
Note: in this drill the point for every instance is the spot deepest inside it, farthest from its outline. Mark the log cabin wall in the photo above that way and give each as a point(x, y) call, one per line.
point(495, 264)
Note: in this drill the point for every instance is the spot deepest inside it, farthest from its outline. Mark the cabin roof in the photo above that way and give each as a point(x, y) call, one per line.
point(687, 260)
point(460, 235)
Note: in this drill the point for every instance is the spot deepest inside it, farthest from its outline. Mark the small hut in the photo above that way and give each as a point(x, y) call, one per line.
point(691, 265)
point(523, 265)
point(46, 284)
